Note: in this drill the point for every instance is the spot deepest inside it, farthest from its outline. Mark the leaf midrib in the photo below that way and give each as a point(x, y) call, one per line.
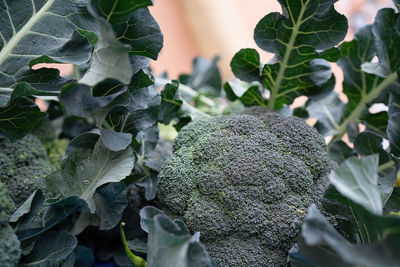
point(374, 93)
point(283, 65)
point(15, 39)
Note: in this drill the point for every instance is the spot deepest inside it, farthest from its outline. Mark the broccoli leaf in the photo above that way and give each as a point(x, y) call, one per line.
point(110, 59)
point(357, 179)
point(142, 33)
point(170, 242)
point(393, 129)
point(110, 203)
point(364, 82)
point(84, 170)
point(50, 249)
point(123, 122)
point(35, 29)
point(78, 100)
point(18, 118)
point(205, 77)
point(36, 216)
point(115, 11)
point(320, 238)
point(294, 37)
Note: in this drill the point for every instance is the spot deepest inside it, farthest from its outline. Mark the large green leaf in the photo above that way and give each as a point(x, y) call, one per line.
point(35, 216)
point(321, 242)
point(84, 170)
point(357, 179)
point(294, 37)
point(170, 243)
point(32, 29)
point(50, 249)
point(37, 32)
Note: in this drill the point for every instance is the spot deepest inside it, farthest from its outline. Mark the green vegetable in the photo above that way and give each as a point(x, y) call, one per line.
point(56, 150)
point(241, 180)
point(23, 165)
point(10, 251)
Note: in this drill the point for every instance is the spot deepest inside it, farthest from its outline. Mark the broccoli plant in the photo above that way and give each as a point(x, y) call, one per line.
point(240, 188)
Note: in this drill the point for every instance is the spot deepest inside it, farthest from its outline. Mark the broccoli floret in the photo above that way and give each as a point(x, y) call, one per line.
point(10, 250)
point(56, 150)
point(241, 180)
point(23, 165)
point(6, 205)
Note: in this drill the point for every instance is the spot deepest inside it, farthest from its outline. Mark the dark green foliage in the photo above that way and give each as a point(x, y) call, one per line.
point(24, 164)
point(241, 180)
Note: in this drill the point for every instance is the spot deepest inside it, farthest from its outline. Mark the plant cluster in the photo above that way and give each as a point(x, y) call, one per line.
point(243, 179)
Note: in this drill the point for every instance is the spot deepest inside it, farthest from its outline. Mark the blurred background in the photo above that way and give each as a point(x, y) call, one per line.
point(222, 27)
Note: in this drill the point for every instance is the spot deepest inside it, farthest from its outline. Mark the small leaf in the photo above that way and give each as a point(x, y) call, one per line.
point(357, 179)
point(245, 64)
point(110, 202)
point(35, 216)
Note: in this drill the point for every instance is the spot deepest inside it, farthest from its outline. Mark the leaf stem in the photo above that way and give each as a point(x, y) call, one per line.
point(355, 114)
point(385, 166)
point(187, 90)
point(136, 260)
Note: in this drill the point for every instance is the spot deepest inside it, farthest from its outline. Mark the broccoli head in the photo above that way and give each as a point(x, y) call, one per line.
point(10, 250)
point(23, 165)
point(241, 180)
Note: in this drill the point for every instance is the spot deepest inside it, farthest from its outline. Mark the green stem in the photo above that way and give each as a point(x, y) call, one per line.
point(356, 113)
point(187, 90)
point(385, 166)
point(136, 260)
